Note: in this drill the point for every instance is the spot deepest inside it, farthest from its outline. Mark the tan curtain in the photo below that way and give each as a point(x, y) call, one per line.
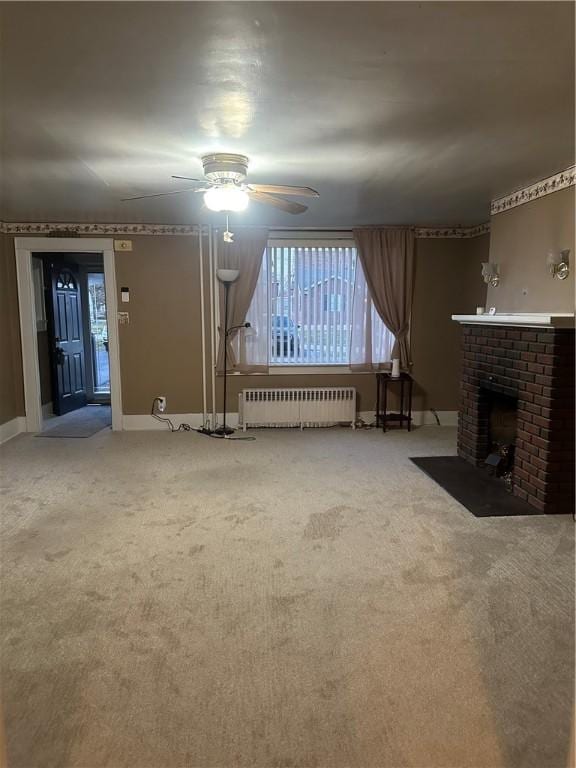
point(246, 255)
point(387, 259)
point(371, 341)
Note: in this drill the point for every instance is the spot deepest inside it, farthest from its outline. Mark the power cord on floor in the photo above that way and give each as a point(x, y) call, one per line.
point(167, 421)
point(188, 428)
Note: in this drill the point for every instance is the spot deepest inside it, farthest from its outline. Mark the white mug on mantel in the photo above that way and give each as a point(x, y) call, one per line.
point(395, 368)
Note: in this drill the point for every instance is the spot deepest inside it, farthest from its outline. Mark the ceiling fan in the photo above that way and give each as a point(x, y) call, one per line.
point(224, 187)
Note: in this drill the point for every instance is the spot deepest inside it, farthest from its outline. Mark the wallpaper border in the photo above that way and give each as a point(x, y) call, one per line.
point(555, 183)
point(75, 229)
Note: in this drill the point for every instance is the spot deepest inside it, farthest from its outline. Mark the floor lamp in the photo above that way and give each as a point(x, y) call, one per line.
point(227, 277)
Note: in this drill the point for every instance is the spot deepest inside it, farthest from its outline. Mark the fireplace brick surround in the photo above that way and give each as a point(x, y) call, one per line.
point(536, 366)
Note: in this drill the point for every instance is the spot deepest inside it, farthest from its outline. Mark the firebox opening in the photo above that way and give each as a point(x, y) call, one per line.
point(502, 422)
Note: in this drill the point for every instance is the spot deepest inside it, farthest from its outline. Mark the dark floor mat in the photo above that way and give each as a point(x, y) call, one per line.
point(480, 493)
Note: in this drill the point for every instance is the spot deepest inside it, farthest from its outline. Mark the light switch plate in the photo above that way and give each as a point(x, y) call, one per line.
point(122, 245)
point(123, 318)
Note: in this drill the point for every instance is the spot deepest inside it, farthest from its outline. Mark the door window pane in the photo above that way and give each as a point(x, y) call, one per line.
point(98, 333)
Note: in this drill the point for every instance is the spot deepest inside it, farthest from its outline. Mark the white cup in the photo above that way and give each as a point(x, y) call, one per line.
point(480, 310)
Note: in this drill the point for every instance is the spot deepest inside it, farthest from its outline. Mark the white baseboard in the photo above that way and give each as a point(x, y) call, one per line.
point(12, 428)
point(147, 422)
point(421, 418)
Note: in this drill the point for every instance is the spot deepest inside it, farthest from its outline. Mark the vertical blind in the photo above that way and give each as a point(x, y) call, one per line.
point(310, 293)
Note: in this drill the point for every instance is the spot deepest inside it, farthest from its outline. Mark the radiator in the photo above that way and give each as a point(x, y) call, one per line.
point(297, 407)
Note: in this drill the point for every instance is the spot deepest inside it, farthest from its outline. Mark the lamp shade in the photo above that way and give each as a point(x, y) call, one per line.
point(226, 198)
point(227, 275)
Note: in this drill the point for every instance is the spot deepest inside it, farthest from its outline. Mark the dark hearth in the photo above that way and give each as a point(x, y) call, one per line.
point(518, 393)
point(474, 489)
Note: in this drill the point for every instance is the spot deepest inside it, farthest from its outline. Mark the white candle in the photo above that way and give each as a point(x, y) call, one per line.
point(395, 368)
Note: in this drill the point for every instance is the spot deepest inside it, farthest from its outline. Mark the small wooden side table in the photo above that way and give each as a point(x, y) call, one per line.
point(404, 416)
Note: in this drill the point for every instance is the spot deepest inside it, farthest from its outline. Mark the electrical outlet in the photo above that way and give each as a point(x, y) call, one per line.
point(161, 404)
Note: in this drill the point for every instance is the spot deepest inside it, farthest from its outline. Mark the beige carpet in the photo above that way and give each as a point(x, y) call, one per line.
point(307, 600)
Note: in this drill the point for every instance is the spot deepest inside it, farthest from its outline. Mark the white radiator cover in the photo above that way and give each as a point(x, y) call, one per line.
point(297, 407)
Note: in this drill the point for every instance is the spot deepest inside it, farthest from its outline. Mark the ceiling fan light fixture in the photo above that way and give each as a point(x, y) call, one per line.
point(226, 198)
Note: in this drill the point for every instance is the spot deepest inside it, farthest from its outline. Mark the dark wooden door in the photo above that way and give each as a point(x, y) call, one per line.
point(67, 338)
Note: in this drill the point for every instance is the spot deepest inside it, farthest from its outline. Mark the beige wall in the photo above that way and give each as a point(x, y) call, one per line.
point(160, 349)
point(448, 281)
point(11, 381)
point(520, 241)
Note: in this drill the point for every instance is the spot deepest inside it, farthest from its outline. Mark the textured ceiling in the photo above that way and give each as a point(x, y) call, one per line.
point(396, 112)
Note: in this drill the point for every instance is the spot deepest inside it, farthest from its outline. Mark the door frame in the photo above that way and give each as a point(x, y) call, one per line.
point(24, 247)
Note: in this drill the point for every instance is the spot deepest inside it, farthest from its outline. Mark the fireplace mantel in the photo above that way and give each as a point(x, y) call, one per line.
point(523, 319)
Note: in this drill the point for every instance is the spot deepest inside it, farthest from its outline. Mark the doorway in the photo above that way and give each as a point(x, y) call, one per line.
point(70, 338)
point(73, 346)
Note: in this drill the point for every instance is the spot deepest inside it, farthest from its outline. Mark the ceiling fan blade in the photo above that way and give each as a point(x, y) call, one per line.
point(187, 178)
point(284, 189)
point(276, 202)
point(163, 194)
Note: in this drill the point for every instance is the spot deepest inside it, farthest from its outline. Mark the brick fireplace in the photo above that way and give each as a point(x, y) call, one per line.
point(534, 368)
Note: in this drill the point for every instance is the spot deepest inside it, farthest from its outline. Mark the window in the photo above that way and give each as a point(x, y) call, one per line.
point(311, 303)
point(319, 311)
point(332, 302)
point(65, 281)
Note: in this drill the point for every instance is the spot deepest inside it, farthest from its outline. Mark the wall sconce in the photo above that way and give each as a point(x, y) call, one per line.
point(490, 273)
point(558, 264)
